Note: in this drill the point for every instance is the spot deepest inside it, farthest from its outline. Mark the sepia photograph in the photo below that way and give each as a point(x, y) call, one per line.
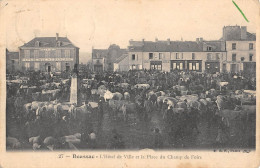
point(130, 75)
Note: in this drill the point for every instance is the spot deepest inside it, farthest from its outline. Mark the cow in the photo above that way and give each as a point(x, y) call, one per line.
point(71, 138)
point(35, 139)
point(181, 104)
point(37, 104)
point(117, 96)
point(13, 143)
point(126, 96)
point(194, 104)
point(51, 143)
point(82, 113)
point(128, 108)
point(108, 95)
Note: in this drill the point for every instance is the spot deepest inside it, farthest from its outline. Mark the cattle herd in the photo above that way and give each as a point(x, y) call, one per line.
point(39, 115)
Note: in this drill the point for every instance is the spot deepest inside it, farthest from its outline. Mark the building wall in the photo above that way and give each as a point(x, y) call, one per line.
point(124, 65)
point(242, 50)
point(49, 55)
point(12, 64)
point(171, 56)
point(165, 59)
point(138, 62)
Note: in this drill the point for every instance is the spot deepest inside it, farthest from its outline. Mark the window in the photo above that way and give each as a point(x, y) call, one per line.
point(150, 55)
point(98, 62)
point(58, 43)
point(177, 56)
point(58, 53)
point(234, 46)
point(67, 53)
point(209, 48)
point(27, 65)
point(193, 56)
point(251, 46)
point(224, 67)
point(234, 57)
point(250, 57)
point(26, 53)
point(190, 66)
point(174, 66)
point(178, 65)
point(13, 61)
point(47, 54)
point(58, 66)
point(36, 66)
point(197, 66)
point(37, 44)
point(217, 56)
point(242, 58)
point(194, 66)
point(181, 66)
point(160, 55)
point(133, 56)
point(209, 56)
point(36, 53)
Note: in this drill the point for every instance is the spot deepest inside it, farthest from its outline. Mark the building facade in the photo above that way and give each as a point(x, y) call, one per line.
point(49, 54)
point(104, 59)
point(169, 55)
point(12, 61)
point(241, 49)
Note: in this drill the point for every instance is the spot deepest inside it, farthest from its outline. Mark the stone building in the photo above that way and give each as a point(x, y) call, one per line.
point(240, 48)
point(49, 54)
point(121, 63)
point(199, 55)
point(104, 59)
point(12, 61)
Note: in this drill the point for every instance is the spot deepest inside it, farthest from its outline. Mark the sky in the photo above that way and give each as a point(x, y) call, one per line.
point(99, 23)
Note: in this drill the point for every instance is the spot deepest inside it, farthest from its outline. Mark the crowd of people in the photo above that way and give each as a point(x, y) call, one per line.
point(144, 95)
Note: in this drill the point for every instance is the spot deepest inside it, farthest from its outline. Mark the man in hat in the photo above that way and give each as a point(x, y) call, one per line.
point(169, 118)
point(158, 139)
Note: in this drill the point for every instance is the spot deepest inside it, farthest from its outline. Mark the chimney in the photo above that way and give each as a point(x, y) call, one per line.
point(197, 40)
point(168, 41)
point(57, 36)
point(156, 39)
point(243, 33)
point(201, 39)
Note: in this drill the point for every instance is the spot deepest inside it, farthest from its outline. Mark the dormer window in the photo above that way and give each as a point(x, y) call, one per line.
point(58, 43)
point(37, 44)
point(209, 48)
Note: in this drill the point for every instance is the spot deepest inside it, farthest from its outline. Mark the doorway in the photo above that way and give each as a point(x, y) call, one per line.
point(233, 68)
point(49, 68)
point(67, 67)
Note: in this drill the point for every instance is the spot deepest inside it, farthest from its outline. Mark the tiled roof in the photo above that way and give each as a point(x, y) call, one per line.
point(236, 36)
point(50, 42)
point(165, 46)
point(177, 46)
point(251, 37)
point(215, 45)
point(122, 57)
point(105, 53)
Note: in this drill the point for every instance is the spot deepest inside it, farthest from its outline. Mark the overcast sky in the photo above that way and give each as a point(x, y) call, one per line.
point(99, 23)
